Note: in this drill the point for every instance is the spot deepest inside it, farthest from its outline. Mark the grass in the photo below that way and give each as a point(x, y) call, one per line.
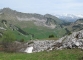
point(67, 54)
point(40, 32)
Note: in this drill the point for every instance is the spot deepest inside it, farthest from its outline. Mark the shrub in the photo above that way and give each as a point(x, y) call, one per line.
point(7, 40)
point(51, 36)
point(69, 33)
point(22, 40)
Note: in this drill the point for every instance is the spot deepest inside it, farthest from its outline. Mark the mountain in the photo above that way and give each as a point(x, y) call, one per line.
point(38, 19)
point(31, 25)
point(57, 20)
point(70, 17)
point(75, 26)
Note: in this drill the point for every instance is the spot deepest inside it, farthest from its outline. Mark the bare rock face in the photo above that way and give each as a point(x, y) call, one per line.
point(75, 40)
point(43, 45)
point(40, 45)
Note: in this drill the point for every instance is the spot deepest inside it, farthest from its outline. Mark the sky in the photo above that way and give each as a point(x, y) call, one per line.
point(44, 6)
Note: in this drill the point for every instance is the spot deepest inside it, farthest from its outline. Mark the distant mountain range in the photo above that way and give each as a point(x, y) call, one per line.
point(69, 17)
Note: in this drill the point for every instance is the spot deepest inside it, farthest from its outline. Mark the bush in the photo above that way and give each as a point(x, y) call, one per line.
point(22, 40)
point(69, 33)
point(51, 36)
point(7, 40)
point(8, 36)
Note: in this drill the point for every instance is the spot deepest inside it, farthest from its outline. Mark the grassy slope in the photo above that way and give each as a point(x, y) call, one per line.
point(43, 32)
point(39, 32)
point(72, 54)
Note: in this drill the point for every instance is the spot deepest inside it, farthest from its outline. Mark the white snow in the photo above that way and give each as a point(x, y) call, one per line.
point(29, 50)
point(70, 15)
point(80, 16)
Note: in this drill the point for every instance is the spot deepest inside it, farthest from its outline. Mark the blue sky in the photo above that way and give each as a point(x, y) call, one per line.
point(45, 6)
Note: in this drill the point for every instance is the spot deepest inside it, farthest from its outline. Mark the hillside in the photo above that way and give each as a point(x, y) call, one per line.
point(75, 26)
point(31, 25)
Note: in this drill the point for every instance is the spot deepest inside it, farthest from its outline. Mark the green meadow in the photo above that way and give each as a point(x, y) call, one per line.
point(66, 54)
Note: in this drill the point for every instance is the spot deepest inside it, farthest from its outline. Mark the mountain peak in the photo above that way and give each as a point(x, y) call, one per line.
point(70, 17)
point(6, 10)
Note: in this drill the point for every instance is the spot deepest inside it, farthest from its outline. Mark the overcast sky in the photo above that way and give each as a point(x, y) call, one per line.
point(45, 6)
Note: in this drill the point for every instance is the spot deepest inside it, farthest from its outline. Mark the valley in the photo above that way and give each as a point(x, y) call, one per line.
point(47, 35)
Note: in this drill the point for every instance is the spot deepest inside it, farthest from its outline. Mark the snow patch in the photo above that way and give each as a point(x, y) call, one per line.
point(29, 50)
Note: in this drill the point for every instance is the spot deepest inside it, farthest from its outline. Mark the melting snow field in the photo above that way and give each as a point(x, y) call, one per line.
point(29, 50)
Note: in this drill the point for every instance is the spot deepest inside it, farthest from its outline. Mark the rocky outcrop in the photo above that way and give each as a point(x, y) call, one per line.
point(37, 46)
point(43, 45)
point(75, 40)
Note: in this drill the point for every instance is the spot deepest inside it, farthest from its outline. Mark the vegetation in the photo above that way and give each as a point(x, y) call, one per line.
point(8, 36)
point(22, 30)
point(7, 40)
point(67, 54)
point(68, 32)
point(51, 36)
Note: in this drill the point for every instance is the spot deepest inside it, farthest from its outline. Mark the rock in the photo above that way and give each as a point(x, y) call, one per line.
point(75, 40)
point(43, 45)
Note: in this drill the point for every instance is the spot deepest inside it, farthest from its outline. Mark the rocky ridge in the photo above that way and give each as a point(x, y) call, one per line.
point(38, 19)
